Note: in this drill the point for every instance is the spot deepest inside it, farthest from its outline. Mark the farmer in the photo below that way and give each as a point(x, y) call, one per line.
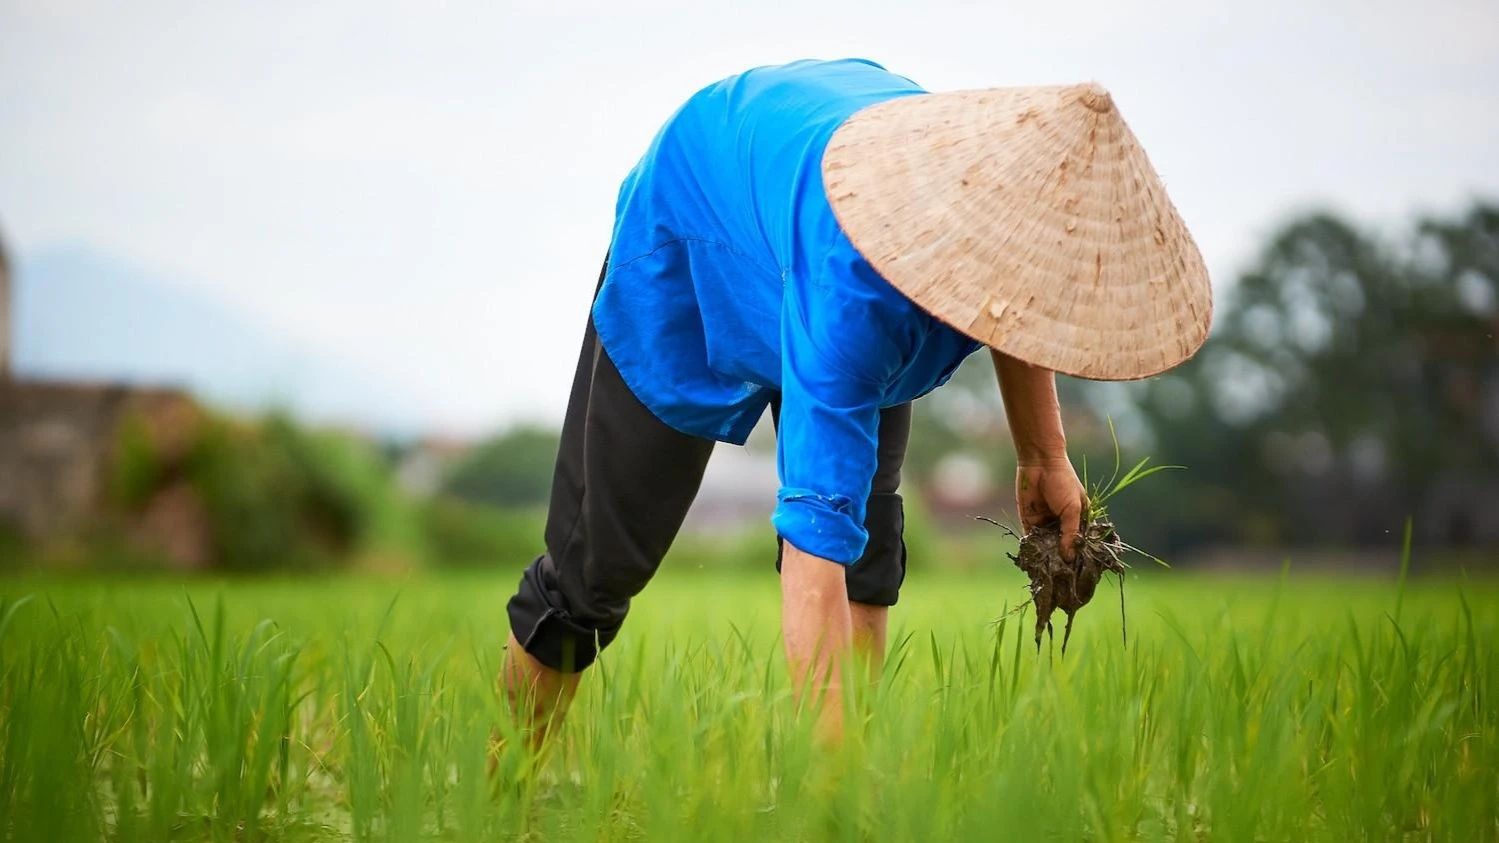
point(826, 239)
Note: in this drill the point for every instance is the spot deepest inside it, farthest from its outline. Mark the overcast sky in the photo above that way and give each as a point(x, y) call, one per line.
point(426, 188)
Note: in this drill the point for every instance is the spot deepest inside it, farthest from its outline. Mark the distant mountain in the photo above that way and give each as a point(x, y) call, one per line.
point(80, 314)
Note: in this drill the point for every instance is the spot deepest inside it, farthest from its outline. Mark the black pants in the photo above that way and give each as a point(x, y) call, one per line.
point(623, 483)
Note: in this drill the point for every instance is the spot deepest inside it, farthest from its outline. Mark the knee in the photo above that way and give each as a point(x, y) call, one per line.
point(876, 578)
point(549, 629)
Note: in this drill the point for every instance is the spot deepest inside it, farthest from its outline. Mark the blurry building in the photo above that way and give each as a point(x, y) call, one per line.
point(58, 441)
point(738, 492)
point(422, 466)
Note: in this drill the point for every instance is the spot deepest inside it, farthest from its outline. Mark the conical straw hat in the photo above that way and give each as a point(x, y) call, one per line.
point(1030, 220)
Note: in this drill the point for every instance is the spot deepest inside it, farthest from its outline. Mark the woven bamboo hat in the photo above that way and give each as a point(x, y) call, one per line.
point(1030, 220)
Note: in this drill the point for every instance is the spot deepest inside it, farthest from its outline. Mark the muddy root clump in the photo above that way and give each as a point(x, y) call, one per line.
point(1069, 586)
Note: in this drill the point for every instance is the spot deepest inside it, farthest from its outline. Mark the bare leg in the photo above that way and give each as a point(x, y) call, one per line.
point(818, 629)
point(538, 695)
point(869, 623)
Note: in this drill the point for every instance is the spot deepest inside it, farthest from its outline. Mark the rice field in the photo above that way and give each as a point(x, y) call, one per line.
point(361, 709)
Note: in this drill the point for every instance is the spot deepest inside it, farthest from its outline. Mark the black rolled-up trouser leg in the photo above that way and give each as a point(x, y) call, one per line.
point(623, 483)
point(876, 577)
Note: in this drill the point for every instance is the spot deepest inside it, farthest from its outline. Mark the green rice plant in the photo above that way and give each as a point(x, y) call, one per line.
point(1290, 707)
point(1100, 493)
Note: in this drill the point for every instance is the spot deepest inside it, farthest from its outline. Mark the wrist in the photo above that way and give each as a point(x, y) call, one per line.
point(1041, 453)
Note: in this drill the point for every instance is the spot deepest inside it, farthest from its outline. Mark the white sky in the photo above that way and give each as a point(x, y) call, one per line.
point(426, 188)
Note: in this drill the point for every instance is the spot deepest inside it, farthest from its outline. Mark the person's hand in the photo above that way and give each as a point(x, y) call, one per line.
point(1047, 489)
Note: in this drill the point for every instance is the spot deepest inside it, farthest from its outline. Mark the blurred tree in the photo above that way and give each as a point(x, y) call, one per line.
point(510, 470)
point(265, 493)
point(1349, 384)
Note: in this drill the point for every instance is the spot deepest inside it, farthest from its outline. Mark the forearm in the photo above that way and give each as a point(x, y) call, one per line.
point(1031, 406)
point(818, 631)
point(816, 620)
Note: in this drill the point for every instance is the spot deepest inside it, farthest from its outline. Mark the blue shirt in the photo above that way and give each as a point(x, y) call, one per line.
point(729, 279)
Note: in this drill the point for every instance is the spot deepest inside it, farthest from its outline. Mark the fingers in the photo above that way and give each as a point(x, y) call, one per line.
point(1023, 494)
point(1029, 514)
point(1041, 496)
point(1025, 501)
point(1072, 519)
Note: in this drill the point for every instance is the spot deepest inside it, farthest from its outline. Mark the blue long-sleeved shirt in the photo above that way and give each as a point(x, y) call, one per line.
point(729, 278)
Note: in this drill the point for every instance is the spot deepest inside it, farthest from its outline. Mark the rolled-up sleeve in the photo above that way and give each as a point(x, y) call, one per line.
point(841, 343)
